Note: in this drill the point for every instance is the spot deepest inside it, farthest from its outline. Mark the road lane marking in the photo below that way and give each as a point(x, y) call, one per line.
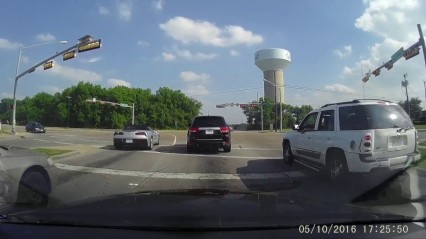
point(174, 141)
point(213, 156)
point(67, 135)
point(307, 165)
point(94, 140)
point(266, 149)
point(193, 176)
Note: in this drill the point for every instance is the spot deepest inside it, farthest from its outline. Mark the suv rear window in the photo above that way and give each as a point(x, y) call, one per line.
point(209, 121)
point(362, 117)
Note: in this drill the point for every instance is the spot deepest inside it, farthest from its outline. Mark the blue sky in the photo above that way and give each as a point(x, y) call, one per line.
point(206, 48)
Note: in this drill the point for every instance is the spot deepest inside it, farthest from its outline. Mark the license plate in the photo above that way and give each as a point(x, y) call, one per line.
point(129, 141)
point(398, 141)
point(209, 131)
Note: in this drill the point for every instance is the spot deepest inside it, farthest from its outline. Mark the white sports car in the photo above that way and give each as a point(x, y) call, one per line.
point(136, 136)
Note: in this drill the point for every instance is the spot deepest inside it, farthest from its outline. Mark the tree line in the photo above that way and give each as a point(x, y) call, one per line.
point(164, 109)
point(290, 114)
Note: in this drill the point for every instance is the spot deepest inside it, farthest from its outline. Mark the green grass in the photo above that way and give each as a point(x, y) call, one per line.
point(420, 126)
point(422, 162)
point(52, 152)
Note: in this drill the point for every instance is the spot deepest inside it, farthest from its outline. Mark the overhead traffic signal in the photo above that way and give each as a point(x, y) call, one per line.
point(48, 65)
point(90, 46)
point(376, 72)
point(411, 52)
point(69, 55)
point(389, 65)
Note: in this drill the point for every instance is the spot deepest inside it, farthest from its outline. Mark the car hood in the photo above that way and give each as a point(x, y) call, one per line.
point(200, 209)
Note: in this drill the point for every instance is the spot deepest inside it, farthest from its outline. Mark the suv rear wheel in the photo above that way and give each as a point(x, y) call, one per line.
point(337, 168)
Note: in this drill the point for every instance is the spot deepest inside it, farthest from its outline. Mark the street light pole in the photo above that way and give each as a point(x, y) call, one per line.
point(17, 77)
point(68, 97)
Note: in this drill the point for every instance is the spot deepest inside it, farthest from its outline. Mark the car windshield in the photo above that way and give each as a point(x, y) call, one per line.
point(213, 114)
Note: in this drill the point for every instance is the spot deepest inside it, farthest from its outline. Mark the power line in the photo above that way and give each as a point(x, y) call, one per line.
point(296, 88)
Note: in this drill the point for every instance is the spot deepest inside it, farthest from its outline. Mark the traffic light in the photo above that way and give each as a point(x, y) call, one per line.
point(376, 72)
point(389, 65)
point(68, 55)
point(90, 46)
point(48, 65)
point(411, 52)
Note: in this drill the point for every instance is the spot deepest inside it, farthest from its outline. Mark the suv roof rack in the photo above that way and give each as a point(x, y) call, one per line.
point(354, 102)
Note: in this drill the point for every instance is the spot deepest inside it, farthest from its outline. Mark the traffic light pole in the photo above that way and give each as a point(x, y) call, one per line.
point(31, 69)
point(422, 41)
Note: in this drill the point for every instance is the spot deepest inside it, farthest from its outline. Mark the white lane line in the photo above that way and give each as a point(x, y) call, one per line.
point(67, 135)
point(94, 140)
point(193, 176)
point(212, 156)
point(266, 149)
point(307, 165)
point(174, 141)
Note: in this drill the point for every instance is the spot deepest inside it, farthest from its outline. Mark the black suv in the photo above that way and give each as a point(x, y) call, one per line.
point(208, 131)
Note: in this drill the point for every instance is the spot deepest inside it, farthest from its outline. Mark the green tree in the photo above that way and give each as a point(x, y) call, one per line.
point(415, 107)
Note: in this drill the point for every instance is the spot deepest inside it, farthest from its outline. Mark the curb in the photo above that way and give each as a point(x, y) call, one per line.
point(65, 155)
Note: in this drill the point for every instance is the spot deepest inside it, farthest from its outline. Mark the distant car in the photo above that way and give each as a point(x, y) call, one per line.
point(136, 136)
point(35, 127)
point(26, 176)
point(208, 131)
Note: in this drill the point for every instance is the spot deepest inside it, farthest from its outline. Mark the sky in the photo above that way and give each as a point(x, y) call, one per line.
point(206, 48)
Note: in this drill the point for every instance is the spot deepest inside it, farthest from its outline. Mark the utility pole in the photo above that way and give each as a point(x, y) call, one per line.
point(422, 41)
point(404, 83)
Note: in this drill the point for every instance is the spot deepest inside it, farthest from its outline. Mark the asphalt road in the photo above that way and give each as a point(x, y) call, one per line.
point(255, 164)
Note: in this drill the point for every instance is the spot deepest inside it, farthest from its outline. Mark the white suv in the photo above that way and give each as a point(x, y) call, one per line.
point(355, 136)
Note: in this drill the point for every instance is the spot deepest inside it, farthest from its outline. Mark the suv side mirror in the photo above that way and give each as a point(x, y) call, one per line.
point(295, 127)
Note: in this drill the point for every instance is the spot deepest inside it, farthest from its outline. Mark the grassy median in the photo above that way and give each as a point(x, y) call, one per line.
point(52, 152)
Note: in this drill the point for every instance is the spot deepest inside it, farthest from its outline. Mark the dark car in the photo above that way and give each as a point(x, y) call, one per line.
point(35, 127)
point(208, 132)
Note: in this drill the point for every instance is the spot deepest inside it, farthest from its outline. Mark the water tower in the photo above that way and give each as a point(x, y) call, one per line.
point(272, 62)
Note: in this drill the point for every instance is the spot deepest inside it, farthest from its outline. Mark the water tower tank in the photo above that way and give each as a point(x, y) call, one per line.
point(272, 62)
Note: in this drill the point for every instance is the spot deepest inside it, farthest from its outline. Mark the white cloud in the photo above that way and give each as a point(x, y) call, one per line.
point(103, 10)
point(234, 53)
point(52, 89)
point(195, 90)
point(45, 37)
point(91, 60)
point(390, 18)
point(195, 56)
point(117, 82)
point(168, 56)
point(394, 24)
point(124, 10)
point(346, 51)
point(187, 31)
point(189, 76)
point(347, 71)
point(158, 4)
point(73, 74)
point(340, 88)
point(8, 45)
point(143, 43)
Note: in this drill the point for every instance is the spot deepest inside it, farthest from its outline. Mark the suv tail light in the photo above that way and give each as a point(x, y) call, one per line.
point(367, 142)
point(140, 133)
point(193, 130)
point(224, 129)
